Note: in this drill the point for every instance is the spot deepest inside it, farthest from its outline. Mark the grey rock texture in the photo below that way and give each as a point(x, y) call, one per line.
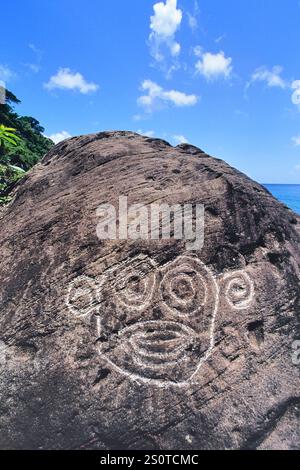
point(141, 344)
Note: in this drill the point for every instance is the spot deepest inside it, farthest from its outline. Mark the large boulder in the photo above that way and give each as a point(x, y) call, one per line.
point(146, 343)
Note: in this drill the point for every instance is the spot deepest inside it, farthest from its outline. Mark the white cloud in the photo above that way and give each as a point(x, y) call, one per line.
point(156, 97)
point(271, 77)
point(180, 139)
point(241, 113)
point(137, 117)
point(173, 68)
point(193, 22)
point(35, 68)
point(296, 94)
point(59, 136)
point(166, 18)
point(220, 38)
point(296, 140)
point(164, 24)
point(297, 167)
point(146, 133)
point(38, 53)
point(68, 80)
point(193, 17)
point(6, 74)
point(198, 51)
point(213, 66)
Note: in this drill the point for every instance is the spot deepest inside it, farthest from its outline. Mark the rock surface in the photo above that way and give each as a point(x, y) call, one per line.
point(141, 344)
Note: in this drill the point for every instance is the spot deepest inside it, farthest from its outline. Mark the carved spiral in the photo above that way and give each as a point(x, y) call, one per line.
point(188, 287)
point(239, 290)
point(135, 283)
point(82, 296)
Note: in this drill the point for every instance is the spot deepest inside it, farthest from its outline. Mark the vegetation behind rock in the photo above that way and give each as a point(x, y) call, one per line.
point(28, 150)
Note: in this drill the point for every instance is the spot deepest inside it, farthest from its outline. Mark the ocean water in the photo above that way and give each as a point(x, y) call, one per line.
point(289, 194)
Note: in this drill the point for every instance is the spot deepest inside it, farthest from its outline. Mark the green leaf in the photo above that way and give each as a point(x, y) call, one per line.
point(10, 140)
point(4, 128)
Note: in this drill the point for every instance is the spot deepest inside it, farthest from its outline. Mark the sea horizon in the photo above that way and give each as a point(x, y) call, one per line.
point(287, 193)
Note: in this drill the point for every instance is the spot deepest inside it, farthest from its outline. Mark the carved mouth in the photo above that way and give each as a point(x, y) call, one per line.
point(157, 342)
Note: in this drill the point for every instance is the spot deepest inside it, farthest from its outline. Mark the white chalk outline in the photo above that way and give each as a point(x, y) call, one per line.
point(167, 383)
point(167, 357)
point(173, 310)
point(94, 292)
point(234, 278)
point(152, 279)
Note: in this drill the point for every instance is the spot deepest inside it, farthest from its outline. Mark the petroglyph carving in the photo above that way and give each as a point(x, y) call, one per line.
point(134, 283)
point(239, 290)
point(174, 336)
point(171, 347)
point(83, 296)
point(187, 286)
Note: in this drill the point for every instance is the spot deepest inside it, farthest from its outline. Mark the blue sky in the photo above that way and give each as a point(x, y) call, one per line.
point(222, 75)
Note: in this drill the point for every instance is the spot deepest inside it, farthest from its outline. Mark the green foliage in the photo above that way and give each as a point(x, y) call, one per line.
point(22, 144)
point(7, 135)
point(32, 144)
point(9, 175)
point(7, 138)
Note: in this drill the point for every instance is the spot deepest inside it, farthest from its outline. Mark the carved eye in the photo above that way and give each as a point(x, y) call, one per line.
point(239, 289)
point(188, 288)
point(82, 296)
point(134, 284)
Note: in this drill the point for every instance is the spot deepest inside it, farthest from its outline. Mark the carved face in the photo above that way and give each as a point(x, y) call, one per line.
point(156, 324)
